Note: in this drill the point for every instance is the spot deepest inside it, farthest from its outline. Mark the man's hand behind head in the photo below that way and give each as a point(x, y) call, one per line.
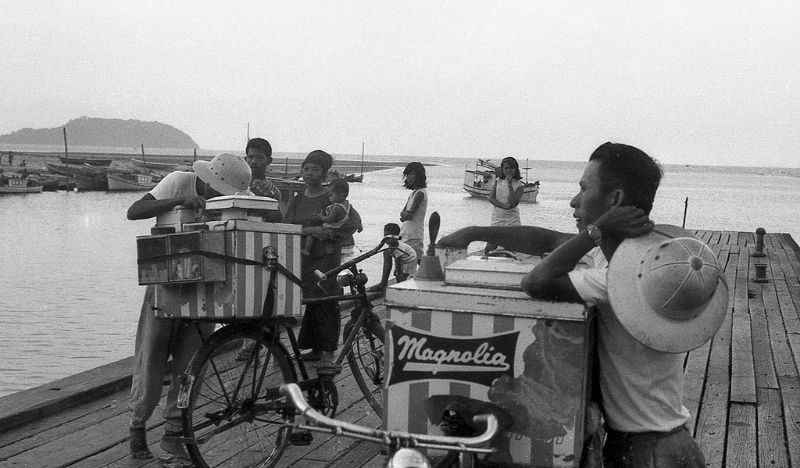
point(622, 222)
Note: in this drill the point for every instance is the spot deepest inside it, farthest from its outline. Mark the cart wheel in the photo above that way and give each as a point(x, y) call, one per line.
point(234, 412)
point(367, 362)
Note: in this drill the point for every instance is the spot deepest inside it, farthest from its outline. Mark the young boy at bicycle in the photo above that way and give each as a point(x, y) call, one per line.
point(402, 255)
point(641, 386)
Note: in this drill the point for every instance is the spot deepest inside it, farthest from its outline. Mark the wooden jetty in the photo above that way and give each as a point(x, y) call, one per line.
point(742, 387)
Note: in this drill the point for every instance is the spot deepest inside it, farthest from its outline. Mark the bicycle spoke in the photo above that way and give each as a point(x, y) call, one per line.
point(365, 357)
point(233, 413)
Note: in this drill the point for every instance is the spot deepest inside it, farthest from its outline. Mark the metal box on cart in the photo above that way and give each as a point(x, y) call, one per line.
point(478, 337)
point(231, 289)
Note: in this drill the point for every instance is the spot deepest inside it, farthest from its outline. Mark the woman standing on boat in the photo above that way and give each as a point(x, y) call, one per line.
point(505, 194)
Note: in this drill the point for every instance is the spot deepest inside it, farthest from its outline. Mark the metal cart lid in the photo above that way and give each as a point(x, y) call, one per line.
point(477, 286)
point(242, 201)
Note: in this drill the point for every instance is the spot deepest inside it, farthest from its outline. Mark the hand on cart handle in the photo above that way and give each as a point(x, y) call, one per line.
point(394, 438)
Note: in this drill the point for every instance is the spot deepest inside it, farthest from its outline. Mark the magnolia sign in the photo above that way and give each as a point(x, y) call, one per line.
point(417, 356)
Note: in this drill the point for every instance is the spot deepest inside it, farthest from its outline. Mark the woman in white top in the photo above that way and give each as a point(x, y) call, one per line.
point(505, 194)
point(413, 214)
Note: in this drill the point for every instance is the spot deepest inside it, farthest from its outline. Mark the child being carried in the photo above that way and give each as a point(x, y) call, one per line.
point(335, 215)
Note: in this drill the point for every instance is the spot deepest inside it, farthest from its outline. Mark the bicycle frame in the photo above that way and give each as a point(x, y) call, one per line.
point(249, 393)
point(358, 295)
point(392, 439)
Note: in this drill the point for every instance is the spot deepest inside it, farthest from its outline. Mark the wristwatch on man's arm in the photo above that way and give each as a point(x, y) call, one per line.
point(594, 233)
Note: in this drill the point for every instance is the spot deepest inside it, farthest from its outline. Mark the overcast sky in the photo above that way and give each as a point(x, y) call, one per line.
point(689, 82)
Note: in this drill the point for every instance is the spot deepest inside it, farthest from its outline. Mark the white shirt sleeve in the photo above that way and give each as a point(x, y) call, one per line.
point(175, 185)
point(589, 278)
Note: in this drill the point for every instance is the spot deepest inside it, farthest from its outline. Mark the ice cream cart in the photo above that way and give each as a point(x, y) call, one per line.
point(205, 265)
point(478, 337)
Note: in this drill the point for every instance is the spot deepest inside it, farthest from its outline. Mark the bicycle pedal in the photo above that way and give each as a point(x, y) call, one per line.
point(301, 438)
point(329, 370)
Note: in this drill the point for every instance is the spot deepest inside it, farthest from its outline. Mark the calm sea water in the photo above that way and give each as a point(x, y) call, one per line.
point(69, 297)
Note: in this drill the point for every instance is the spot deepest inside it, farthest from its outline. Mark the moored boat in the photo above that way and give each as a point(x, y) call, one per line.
point(478, 182)
point(80, 161)
point(85, 177)
point(18, 185)
point(130, 181)
point(66, 170)
point(53, 182)
point(164, 166)
point(91, 181)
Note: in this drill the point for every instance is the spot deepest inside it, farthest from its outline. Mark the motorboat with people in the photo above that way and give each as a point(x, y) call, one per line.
point(478, 182)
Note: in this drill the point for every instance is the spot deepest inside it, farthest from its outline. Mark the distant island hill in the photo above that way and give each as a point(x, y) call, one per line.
point(122, 139)
point(89, 131)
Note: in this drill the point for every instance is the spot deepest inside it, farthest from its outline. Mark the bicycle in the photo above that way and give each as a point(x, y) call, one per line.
point(233, 414)
point(403, 446)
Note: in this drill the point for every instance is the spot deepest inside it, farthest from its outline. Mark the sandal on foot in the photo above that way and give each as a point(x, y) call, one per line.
point(139, 449)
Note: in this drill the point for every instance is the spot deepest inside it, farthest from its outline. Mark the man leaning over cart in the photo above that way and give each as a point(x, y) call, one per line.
point(159, 339)
point(662, 295)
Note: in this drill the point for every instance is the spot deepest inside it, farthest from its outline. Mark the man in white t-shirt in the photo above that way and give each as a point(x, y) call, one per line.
point(641, 388)
point(158, 340)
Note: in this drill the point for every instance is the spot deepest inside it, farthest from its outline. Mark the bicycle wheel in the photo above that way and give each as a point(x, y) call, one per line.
point(234, 412)
point(365, 358)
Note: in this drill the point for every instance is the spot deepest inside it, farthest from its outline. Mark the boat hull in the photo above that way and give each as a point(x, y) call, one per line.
point(19, 185)
point(68, 171)
point(91, 182)
point(529, 193)
point(162, 166)
point(55, 182)
point(20, 190)
point(122, 182)
point(81, 161)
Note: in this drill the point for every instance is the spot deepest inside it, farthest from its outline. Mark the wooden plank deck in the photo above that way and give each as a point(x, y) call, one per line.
point(742, 387)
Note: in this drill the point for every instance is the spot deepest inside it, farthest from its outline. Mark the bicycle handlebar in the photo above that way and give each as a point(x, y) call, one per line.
point(344, 266)
point(293, 392)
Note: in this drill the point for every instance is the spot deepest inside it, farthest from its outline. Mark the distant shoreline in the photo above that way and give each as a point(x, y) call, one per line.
point(282, 162)
point(171, 155)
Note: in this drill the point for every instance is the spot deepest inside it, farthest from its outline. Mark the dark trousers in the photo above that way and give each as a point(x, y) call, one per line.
point(672, 449)
point(319, 328)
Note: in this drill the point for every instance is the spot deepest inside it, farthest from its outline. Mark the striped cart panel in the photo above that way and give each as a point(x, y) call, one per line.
point(534, 368)
point(242, 294)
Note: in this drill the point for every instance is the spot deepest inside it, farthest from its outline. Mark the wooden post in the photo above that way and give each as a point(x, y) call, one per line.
point(362, 160)
point(760, 243)
point(144, 163)
point(685, 207)
point(66, 153)
point(194, 157)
